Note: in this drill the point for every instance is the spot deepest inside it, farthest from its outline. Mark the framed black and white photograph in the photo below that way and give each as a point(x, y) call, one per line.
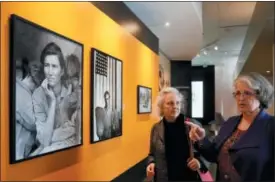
point(185, 91)
point(46, 91)
point(144, 97)
point(106, 105)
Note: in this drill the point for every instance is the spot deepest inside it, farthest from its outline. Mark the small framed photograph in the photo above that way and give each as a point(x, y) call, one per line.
point(144, 97)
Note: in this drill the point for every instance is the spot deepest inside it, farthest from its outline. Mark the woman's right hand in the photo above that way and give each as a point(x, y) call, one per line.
point(196, 132)
point(150, 171)
point(48, 91)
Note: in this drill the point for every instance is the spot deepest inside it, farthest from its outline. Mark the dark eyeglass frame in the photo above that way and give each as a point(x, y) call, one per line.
point(244, 93)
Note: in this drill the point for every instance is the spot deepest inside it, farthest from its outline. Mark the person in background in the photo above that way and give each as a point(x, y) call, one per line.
point(161, 77)
point(244, 146)
point(25, 121)
point(107, 121)
point(75, 98)
point(21, 67)
point(169, 156)
point(74, 83)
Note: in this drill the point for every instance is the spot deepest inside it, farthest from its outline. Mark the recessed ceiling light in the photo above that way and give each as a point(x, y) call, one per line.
point(268, 71)
point(204, 52)
point(216, 48)
point(167, 24)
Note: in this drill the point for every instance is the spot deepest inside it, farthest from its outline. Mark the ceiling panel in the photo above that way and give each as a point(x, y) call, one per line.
point(225, 25)
point(196, 27)
point(235, 13)
point(261, 57)
point(183, 38)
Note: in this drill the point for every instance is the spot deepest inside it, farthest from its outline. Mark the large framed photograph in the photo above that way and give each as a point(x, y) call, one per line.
point(46, 91)
point(106, 96)
point(144, 97)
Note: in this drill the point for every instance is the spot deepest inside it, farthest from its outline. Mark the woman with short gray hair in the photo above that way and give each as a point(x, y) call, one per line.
point(169, 158)
point(244, 147)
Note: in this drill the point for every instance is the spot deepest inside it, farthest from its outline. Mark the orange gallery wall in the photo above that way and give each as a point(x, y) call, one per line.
point(83, 22)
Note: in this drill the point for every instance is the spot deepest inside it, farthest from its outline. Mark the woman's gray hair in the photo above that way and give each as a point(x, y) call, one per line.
point(262, 87)
point(160, 98)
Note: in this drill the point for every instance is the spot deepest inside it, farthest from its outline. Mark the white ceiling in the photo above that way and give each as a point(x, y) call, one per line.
point(225, 25)
point(195, 27)
point(183, 38)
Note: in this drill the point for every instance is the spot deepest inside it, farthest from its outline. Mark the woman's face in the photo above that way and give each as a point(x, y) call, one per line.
point(53, 70)
point(35, 68)
point(245, 97)
point(171, 106)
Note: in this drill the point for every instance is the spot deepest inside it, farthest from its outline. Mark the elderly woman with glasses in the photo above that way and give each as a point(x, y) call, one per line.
point(244, 146)
point(169, 158)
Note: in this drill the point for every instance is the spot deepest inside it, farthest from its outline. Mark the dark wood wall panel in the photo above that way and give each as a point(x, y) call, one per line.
point(121, 14)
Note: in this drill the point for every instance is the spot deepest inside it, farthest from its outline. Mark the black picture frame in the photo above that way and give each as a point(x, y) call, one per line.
point(27, 42)
point(106, 84)
point(144, 94)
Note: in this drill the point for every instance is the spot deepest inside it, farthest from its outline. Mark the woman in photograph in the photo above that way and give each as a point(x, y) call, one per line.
point(169, 158)
point(50, 102)
point(244, 146)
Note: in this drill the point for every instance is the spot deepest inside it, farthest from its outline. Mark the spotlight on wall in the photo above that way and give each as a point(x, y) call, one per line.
point(216, 48)
point(167, 24)
point(131, 27)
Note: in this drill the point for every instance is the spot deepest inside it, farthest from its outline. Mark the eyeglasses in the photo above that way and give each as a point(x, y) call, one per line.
point(243, 93)
point(171, 103)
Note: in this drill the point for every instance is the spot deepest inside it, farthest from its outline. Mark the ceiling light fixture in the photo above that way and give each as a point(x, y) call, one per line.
point(167, 24)
point(216, 48)
point(204, 52)
point(268, 71)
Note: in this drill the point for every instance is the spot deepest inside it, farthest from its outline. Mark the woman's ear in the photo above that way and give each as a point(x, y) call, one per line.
point(161, 111)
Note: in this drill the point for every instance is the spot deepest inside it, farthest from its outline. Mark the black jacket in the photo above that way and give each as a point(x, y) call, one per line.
point(157, 152)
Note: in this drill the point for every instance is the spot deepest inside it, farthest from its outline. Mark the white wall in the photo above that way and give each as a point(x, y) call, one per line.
point(224, 78)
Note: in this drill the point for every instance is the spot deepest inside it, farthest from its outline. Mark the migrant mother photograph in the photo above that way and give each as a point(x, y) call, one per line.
point(46, 91)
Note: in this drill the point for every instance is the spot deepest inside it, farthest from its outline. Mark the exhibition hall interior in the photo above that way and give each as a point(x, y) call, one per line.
point(79, 81)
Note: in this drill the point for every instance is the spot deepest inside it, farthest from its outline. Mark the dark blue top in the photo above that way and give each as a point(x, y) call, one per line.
point(253, 154)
